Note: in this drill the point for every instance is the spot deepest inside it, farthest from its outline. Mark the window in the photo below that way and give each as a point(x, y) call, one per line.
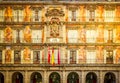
point(18, 15)
point(17, 57)
point(73, 16)
point(36, 15)
point(1, 15)
point(72, 36)
point(36, 36)
point(0, 56)
point(36, 56)
point(109, 15)
point(109, 56)
point(91, 56)
point(92, 16)
point(72, 56)
point(91, 36)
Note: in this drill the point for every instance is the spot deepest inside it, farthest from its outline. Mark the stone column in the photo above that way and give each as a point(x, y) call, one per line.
point(63, 77)
point(26, 77)
point(119, 77)
point(83, 76)
point(45, 77)
point(7, 77)
point(101, 78)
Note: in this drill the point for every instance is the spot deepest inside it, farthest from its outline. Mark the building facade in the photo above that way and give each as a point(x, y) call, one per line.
point(60, 41)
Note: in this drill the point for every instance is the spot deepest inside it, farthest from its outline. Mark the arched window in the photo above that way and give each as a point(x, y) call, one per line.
point(1, 78)
point(91, 78)
point(54, 78)
point(17, 77)
point(109, 78)
point(73, 77)
point(36, 78)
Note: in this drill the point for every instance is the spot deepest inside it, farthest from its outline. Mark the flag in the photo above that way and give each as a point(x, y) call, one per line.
point(58, 56)
point(48, 55)
point(52, 61)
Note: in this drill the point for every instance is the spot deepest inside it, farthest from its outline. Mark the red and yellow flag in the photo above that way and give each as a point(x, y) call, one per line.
point(52, 61)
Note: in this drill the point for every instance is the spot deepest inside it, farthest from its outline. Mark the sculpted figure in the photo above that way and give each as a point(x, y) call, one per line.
point(8, 34)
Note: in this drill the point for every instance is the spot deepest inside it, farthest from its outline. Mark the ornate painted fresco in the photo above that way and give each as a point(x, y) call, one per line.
point(27, 34)
point(99, 54)
point(8, 14)
point(27, 13)
point(26, 55)
point(100, 11)
point(82, 55)
point(8, 55)
point(118, 55)
point(8, 34)
point(100, 34)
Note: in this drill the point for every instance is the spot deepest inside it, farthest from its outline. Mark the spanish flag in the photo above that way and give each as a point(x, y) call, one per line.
point(52, 61)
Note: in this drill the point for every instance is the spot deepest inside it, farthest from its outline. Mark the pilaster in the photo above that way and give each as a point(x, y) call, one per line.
point(101, 78)
point(83, 77)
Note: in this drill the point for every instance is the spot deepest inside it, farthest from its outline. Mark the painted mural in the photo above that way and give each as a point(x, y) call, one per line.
point(27, 34)
point(8, 55)
point(27, 13)
point(8, 34)
point(26, 55)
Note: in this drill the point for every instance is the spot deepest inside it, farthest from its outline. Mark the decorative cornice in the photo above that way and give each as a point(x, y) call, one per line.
point(109, 7)
point(54, 12)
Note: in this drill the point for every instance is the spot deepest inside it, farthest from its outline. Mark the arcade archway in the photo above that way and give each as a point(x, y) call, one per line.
point(1, 78)
point(36, 78)
point(109, 78)
point(17, 77)
point(91, 78)
point(54, 78)
point(73, 77)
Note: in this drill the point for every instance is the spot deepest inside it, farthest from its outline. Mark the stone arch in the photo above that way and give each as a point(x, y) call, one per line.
point(1, 78)
point(36, 77)
point(91, 77)
point(17, 77)
point(54, 77)
point(109, 78)
point(73, 77)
